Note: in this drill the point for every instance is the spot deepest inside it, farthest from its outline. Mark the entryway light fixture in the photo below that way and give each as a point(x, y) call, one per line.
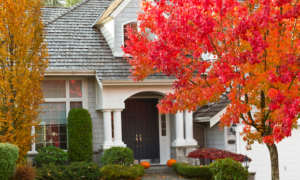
point(233, 128)
point(246, 162)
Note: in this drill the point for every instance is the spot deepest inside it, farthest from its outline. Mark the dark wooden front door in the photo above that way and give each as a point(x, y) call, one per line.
point(140, 128)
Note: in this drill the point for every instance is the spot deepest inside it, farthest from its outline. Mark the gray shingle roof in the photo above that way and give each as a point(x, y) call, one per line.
point(74, 44)
point(212, 109)
point(51, 12)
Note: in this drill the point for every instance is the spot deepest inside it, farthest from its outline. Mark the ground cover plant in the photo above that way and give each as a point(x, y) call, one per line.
point(50, 155)
point(118, 155)
point(245, 51)
point(228, 169)
point(80, 135)
point(192, 171)
point(8, 158)
point(116, 171)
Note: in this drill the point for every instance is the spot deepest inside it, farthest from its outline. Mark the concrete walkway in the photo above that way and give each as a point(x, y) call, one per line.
point(167, 176)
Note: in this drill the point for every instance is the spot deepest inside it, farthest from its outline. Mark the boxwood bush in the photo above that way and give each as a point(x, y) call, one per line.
point(118, 155)
point(188, 170)
point(228, 169)
point(8, 158)
point(83, 170)
point(50, 155)
point(80, 135)
point(115, 171)
point(51, 172)
point(76, 170)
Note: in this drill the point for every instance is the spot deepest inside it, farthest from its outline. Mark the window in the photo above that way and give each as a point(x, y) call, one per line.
point(163, 125)
point(60, 96)
point(132, 25)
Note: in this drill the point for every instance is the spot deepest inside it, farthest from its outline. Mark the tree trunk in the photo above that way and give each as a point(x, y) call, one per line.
point(274, 161)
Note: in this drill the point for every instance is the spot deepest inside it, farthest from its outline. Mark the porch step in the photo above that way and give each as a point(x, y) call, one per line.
point(154, 169)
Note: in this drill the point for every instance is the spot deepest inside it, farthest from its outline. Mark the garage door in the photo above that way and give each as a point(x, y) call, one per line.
point(289, 157)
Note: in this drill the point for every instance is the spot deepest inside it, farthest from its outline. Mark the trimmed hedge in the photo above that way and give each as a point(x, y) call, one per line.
point(8, 157)
point(50, 155)
point(118, 155)
point(80, 135)
point(83, 170)
point(115, 171)
point(193, 171)
point(51, 172)
point(76, 170)
point(228, 169)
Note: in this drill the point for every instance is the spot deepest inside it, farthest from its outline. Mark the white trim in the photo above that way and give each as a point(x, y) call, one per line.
point(120, 8)
point(65, 72)
point(214, 120)
point(164, 141)
point(141, 83)
point(119, 54)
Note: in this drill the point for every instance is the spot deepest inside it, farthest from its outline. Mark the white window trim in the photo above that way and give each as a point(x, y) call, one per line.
point(67, 100)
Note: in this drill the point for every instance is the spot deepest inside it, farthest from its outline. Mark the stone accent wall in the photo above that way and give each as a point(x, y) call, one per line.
point(180, 154)
point(252, 176)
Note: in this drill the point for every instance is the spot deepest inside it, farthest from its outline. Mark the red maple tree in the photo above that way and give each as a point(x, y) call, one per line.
point(257, 67)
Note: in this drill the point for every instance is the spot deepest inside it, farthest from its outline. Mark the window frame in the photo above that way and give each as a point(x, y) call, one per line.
point(67, 100)
point(122, 27)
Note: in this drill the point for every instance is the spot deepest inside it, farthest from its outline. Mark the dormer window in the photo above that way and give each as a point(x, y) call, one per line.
point(132, 25)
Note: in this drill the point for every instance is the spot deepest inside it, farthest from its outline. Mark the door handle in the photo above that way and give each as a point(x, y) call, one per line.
point(140, 140)
point(136, 141)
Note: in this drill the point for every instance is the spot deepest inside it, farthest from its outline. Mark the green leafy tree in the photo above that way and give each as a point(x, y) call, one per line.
point(70, 3)
point(52, 3)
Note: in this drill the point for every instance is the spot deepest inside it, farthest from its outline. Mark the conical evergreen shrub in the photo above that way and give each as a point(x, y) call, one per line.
point(80, 135)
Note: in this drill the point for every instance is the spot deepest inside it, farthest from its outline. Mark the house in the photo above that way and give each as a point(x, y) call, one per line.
point(87, 69)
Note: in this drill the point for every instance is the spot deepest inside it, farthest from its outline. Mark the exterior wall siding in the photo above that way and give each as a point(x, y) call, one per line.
point(229, 136)
point(215, 137)
point(97, 116)
point(128, 14)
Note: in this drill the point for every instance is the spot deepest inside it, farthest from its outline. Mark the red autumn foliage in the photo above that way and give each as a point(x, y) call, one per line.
point(213, 154)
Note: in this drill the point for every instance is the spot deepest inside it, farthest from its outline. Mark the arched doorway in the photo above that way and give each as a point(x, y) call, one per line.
point(141, 126)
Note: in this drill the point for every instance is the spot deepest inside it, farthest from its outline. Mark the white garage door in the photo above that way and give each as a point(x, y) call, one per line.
point(289, 157)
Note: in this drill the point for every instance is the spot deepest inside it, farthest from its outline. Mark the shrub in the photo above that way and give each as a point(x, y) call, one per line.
point(193, 171)
point(228, 169)
point(24, 172)
point(114, 171)
point(8, 158)
point(51, 172)
point(50, 155)
point(118, 155)
point(83, 170)
point(80, 135)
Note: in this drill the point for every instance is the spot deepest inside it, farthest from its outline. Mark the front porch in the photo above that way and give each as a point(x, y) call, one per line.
point(174, 132)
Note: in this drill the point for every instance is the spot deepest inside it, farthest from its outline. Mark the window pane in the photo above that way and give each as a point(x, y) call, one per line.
point(54, 88)
point(132, 25)
point(163, 125)
point(75, 105)
point(52, 130)
point(75, 88)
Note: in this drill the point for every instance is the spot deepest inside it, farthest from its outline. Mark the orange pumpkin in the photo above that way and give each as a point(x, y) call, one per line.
point(170, 162)
point(145, 164)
